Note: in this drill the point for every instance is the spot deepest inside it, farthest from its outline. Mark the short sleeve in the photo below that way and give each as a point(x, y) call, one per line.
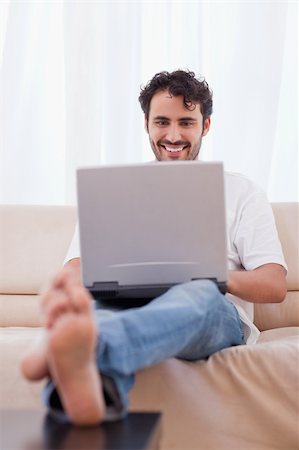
point(256, 238)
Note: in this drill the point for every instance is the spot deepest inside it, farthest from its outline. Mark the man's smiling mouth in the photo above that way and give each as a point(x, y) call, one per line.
point(174, 148)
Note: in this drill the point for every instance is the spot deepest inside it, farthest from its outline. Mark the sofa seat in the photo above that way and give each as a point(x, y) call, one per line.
point(240, 398)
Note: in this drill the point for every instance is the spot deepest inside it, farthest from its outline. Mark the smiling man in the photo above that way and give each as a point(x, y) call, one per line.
point(91, 359)
point(177, 114)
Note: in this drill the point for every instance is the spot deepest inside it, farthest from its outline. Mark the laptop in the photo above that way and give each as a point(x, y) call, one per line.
point(146, 227)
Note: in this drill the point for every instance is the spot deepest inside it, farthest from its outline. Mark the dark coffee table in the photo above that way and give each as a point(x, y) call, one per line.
point(36, 430)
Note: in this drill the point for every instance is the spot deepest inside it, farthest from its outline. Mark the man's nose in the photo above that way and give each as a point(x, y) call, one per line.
point(173, 133)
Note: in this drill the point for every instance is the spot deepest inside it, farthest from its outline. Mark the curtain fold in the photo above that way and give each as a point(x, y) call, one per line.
point(32, 105)
point(70, 75)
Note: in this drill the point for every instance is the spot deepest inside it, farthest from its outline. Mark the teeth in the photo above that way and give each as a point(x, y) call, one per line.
point(174, 150)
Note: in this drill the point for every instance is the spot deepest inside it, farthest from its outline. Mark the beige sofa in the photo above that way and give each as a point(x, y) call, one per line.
point(240, 398)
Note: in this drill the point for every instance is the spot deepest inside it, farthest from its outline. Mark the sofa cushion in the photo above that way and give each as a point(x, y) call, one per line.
point(287, 223)
point(277, 315)
point(15, 391)
point(240, 398)
point(20, 310)
point(34, 240)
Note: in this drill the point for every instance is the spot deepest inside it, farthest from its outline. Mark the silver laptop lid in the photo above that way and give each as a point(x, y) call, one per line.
point(152, 224)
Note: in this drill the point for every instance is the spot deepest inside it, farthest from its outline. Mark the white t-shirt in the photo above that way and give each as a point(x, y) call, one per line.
point(251, 236)
point(252, 239)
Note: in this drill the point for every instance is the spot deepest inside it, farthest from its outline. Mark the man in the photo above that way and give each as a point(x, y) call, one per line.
point(91, 359)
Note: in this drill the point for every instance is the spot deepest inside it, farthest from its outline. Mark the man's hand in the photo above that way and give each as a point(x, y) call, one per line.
point(266, 284)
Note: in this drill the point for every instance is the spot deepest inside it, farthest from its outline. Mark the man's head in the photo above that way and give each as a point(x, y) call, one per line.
point(177, 108)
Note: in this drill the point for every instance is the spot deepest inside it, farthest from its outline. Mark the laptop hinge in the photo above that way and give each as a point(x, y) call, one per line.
point(107, 288)
point(112, 289)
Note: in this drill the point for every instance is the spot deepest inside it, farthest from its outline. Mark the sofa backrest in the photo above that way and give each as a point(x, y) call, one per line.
point(287, 223)
point(34, 240)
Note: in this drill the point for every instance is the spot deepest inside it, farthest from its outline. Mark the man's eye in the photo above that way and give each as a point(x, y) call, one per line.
point(161, 122)
point(186, 124)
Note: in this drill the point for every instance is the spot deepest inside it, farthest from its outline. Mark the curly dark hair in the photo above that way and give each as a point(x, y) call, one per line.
point(180, 82)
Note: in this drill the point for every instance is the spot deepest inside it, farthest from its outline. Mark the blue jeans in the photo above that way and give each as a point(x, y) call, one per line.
point(191, 321)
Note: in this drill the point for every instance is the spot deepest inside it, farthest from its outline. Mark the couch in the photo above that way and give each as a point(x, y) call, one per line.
point(240, 398)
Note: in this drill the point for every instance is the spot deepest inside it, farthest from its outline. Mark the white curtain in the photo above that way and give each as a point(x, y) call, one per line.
point(70, 75)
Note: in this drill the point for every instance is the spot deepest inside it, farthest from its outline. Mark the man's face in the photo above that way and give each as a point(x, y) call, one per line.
point(175, 132)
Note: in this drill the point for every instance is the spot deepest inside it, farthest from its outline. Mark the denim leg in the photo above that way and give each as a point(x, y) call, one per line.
point(191, 321)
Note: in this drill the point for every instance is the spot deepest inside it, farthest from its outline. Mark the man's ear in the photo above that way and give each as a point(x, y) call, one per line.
point(206, 126)
point(145, 123)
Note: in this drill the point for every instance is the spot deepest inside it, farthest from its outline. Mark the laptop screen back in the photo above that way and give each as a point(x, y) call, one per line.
point(157, 223)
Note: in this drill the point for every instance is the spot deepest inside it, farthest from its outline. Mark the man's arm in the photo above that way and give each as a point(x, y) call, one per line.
point(265, 284)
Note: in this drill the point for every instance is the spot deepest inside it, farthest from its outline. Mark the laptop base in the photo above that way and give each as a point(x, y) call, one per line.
point(112, 296)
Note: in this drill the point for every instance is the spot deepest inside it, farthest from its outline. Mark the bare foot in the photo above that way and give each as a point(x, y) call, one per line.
point(68, 353)
point(71, 359)
point(55, 301)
